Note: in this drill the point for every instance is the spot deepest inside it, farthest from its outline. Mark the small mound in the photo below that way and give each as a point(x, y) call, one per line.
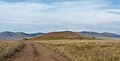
point(61, 35)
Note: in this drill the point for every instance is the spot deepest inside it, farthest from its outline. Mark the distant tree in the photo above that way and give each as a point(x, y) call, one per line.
point(81, 38)
point(25, 39)
point(93, 37)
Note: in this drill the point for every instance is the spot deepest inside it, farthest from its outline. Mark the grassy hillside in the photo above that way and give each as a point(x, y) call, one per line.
point(61, 35)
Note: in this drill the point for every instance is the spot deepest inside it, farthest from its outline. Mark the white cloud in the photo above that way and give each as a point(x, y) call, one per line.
point(88, 12)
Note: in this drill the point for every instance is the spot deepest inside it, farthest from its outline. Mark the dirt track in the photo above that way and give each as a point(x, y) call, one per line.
point(35, 52)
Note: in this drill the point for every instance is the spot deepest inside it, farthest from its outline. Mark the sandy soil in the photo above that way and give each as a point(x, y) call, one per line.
point(35, 52)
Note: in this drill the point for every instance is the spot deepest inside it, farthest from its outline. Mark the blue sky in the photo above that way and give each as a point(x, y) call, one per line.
point(55, 15)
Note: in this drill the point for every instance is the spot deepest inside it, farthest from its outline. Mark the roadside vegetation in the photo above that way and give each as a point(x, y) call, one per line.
point(8, 48)
point(86, 50)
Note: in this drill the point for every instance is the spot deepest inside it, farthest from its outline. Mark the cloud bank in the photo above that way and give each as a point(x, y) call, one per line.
point(56, 15)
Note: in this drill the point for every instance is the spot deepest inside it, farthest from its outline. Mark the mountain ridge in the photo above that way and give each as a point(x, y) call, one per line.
point(97, 34)
point(8, 35)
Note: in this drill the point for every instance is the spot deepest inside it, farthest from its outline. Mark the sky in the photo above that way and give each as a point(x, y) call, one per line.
point(56, 15)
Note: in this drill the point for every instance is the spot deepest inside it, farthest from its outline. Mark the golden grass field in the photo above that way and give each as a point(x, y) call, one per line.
point(8, 48)
point(85, 50)
point(73, 50)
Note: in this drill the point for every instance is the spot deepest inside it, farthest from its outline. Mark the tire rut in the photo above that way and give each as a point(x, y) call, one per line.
point(36, 52)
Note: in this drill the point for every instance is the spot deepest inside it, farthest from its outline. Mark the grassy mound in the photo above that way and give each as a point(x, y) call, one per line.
point(61, 35)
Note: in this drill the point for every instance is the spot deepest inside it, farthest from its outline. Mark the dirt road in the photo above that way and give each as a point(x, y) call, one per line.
point(35, 52)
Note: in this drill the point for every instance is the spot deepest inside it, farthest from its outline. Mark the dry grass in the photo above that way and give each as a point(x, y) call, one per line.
point(8, 48)
point(86, 50)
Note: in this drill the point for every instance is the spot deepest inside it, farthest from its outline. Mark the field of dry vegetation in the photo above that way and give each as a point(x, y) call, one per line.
point(85, 50)
point(73, 50)
point(8, 48)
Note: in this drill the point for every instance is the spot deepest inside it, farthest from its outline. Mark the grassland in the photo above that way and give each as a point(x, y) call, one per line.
point(85, 50)
point(8, 48)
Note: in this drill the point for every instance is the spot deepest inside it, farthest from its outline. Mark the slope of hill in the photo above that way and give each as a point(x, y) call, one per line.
point(16, 36)
point(104, 34)
point(60, 35)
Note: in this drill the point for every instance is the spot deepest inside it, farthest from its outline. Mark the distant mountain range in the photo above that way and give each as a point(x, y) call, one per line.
point(7, 35)
point(100, 35)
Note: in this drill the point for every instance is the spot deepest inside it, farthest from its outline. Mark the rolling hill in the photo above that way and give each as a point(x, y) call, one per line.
point(60, 35)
